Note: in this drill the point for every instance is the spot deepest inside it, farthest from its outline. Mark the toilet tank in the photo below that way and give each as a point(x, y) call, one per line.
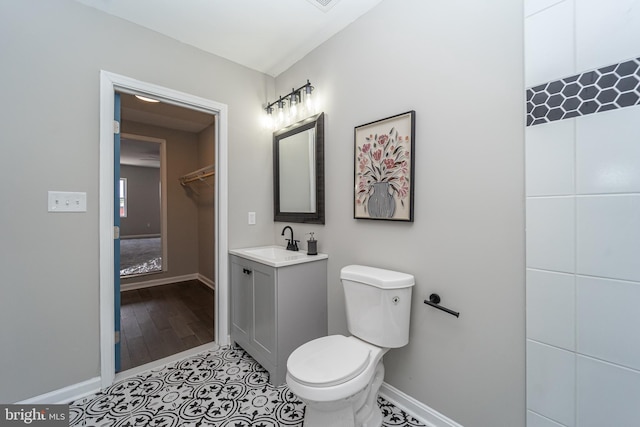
point(378, 304)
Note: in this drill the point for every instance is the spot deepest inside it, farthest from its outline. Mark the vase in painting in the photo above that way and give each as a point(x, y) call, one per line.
point(381, 203)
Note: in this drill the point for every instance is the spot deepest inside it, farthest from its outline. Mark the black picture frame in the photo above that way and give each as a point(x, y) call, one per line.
point(384, 168)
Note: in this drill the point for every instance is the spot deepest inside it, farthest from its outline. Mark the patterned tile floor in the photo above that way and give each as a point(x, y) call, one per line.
point(222, 388)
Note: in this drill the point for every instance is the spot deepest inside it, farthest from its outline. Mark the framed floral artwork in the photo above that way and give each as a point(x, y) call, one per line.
point(383, 170)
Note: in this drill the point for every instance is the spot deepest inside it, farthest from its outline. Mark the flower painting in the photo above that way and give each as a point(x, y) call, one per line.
point(383, 175)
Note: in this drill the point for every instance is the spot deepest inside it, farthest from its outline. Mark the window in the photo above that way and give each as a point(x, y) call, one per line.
point(123, 197)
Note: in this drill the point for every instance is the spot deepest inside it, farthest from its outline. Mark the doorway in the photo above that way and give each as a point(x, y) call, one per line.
point(164, 310)
point(143, 205)
point(111, 83)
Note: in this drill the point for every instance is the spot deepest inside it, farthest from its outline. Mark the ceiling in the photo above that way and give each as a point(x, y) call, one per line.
point(267, 36)
point(147, 154)
point(163, 114)
point(253, 33)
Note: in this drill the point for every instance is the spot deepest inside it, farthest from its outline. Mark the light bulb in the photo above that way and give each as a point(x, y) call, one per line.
point(280, 113)
point(267, 121)
point(309, 98)
point(293, 105)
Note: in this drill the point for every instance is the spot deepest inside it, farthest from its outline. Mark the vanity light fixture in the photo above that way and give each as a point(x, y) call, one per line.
point(298, 102)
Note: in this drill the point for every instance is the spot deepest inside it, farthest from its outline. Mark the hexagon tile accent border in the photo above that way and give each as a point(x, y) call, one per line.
point(607, 88)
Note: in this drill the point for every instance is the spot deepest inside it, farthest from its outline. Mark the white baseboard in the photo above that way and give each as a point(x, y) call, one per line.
point(140, 236)
point(207, 281)
point(416, 409)
point(158, 282)
point(67, 394)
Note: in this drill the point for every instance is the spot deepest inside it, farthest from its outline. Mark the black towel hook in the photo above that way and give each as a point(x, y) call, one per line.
point(434, 301)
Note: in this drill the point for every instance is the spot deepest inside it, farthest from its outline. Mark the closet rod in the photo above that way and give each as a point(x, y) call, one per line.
point(198, 175)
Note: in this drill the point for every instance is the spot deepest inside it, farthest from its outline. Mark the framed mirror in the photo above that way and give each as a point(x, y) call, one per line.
point(298, 172)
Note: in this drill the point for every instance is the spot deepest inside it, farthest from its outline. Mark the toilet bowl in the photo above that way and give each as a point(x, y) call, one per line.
point(338, 377)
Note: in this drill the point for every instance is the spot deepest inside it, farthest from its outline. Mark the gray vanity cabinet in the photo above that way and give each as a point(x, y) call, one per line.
point(275, 310)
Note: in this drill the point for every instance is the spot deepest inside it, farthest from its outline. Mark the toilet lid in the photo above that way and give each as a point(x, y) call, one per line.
point(328, 361)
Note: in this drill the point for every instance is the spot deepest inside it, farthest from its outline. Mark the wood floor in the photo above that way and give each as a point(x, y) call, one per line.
point(163, 320)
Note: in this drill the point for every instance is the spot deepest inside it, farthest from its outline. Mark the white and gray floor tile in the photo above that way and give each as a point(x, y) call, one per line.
point(222, 388)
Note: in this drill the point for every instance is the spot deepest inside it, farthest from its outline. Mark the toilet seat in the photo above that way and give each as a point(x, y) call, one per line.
point(328, 361)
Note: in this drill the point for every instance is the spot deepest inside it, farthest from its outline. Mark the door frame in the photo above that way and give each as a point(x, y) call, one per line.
point(109, 84)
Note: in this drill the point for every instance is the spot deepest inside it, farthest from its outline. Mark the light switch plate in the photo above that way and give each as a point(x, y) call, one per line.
point(67, 201)
point(251, 218)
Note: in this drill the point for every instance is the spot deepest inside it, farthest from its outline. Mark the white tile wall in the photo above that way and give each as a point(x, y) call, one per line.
point(551, 233)
point(607, 151)
point(551, 308)
point(583, 226)
point(607, 32)
point(535, 420)
point(549, 44)
point(551, 382)
point(550, 155)
point(608, 395)
point(608, 236)
point(608, 318)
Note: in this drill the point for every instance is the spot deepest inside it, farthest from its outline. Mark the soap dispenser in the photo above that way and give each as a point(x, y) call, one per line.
point(312, 245)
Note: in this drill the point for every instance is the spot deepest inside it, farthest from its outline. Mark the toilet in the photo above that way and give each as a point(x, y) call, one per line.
point(338, 377)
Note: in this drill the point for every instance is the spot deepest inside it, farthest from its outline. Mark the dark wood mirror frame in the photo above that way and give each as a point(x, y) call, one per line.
point(316, 217)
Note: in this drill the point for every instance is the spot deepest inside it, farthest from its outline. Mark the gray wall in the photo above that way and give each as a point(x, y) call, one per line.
point(143, 201)
point(52, 53)
point(459, 66)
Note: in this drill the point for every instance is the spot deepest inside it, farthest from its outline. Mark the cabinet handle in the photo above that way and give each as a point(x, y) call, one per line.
point(246, 271)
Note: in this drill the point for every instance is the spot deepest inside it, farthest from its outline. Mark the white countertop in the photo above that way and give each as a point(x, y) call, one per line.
point(276, 256)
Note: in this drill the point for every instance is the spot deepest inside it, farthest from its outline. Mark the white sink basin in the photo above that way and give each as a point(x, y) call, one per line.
point(276, 256)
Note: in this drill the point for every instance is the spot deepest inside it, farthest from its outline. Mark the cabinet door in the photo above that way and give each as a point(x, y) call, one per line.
point(241, 299)
point(264, 311)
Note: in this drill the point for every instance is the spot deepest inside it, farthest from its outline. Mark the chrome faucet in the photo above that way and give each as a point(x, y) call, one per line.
point(292, 245)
